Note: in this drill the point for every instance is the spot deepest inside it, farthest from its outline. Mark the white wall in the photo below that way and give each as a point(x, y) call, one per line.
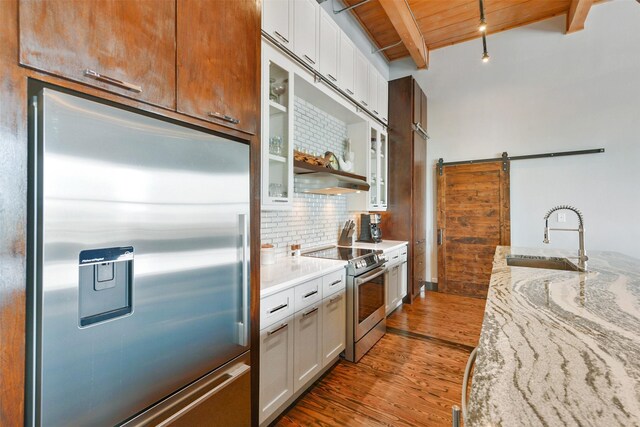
point(544, 91)
point(352, 28)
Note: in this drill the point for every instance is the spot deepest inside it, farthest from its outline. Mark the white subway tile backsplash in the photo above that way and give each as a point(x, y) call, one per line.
point(315, 219)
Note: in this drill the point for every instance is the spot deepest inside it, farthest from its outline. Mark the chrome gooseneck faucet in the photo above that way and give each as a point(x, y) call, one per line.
point(582, 254)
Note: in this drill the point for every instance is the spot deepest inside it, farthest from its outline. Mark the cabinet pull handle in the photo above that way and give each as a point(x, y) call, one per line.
point(375, 112)
point(278, 329)
point(283, 38)
point(338, 298)
point(313, 310)
point(278, 308)
point(349, 91)
point(223, 117)
point(110, 80)
point(310, 294)
point(309, 59)
point(331, 77)
point(280, 200)
point(440, 230)
point(335, 283)
point(364, 103)
point(395, 257)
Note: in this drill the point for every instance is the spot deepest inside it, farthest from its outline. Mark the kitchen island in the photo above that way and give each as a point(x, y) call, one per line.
point(559, 348)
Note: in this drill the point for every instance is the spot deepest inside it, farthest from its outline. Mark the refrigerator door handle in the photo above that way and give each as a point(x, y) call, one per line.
point(243, 335)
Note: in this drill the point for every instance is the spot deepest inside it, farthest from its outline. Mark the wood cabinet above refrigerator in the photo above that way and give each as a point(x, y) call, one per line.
point(128, 48)
point(218, 65)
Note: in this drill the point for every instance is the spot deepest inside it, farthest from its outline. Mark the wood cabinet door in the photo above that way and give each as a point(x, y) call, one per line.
point(419, 210)
point(277, 20)
point(307, 350)
point(417, 102)
point(329, 47)
point(219, 62)
point(305, 33)
point(334, 326)
point(125, 47)
point(346, 64)
point(276, 366)
point(423, 111)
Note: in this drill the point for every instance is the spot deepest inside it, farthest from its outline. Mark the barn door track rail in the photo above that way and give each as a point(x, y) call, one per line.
point(505, 158)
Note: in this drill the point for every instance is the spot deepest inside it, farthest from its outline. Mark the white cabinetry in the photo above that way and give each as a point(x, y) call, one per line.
point(276, 366)
point(373, 90)
point(334, 313)
point(383, 98)
point(295, 348)
point(346, 64)
point(361, 76)
point(329, 47)
point(277, 20)
point(370, 140)
point(277, 131)
point(396, 278)
point(305, 30)
point(307, 340)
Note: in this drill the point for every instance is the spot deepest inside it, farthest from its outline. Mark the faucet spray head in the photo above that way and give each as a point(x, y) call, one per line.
point(546, 231)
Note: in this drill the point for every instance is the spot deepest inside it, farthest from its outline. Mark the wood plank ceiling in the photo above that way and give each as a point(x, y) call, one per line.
point(446, 22)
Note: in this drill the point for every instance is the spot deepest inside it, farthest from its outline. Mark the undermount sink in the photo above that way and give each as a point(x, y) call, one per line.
point(550, 263)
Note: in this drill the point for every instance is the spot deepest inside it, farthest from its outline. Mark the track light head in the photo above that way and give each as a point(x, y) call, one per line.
point(485, 57)
point(483, 25)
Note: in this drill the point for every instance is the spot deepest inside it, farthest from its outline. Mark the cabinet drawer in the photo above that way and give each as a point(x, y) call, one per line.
point(403, 254)
point(333, 282)
point(276, 307)
point(307, 293)
point(393, 257)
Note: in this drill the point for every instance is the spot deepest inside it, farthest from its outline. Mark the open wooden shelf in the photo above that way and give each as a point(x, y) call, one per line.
point(304, 168)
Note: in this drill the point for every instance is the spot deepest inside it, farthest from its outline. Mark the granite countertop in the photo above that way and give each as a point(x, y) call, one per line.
point(385, 245)
point(559, 348)
point(290, 271)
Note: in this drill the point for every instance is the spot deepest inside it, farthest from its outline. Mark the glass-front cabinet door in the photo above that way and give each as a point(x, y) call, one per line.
point(383, 148)
point(378, 171)
point(277, 131)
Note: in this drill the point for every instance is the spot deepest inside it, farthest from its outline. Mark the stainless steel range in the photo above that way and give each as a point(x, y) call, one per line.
point(366, 322)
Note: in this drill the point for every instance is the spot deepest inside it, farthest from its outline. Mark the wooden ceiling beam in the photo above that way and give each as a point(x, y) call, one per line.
point(402, 20)
point(577, 14)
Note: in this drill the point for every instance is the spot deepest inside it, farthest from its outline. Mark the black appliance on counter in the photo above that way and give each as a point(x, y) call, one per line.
point(370, 228)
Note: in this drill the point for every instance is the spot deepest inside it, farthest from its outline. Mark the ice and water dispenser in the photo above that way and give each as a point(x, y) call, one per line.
point(106, 284)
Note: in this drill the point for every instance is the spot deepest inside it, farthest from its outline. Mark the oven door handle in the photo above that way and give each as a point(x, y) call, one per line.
point(372, 275)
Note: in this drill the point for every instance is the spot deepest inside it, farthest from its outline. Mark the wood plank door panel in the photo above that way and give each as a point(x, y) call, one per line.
point(126, 42)
point(219, 62)
point(473, 218)
point(419, 213)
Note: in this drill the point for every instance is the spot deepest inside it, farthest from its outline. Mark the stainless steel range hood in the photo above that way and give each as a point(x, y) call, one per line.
point(329, 183)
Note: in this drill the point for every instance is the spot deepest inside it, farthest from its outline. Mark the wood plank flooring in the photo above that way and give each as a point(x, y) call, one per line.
point(411, 377)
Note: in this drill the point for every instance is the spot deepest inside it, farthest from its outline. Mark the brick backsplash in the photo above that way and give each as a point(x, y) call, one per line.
point(315, 219)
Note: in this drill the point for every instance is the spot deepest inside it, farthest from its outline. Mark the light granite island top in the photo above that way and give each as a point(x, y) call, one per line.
point(559, 348)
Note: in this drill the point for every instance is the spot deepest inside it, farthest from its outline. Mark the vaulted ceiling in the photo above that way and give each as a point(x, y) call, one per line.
point(446, 22)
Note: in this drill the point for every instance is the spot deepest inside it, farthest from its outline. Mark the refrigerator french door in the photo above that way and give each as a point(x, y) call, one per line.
point(139, 265)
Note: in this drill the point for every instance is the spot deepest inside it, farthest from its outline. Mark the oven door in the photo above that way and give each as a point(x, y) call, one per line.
point(369, 301)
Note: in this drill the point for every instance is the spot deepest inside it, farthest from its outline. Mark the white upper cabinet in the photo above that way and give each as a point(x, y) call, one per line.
point(346, 64)
point(383, 98)
point(305, 23)
point(329, 47)
point(361, 77)
point(277, 20)
point(373, 90)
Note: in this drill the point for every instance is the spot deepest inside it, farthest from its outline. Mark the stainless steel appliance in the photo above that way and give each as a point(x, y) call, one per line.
point(366, 322)
point(139, 269)
point(370, 228)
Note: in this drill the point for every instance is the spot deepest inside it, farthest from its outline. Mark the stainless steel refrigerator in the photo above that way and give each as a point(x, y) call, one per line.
point(139, 269)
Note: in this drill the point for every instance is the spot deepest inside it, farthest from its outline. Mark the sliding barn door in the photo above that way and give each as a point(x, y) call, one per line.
point(473, 218)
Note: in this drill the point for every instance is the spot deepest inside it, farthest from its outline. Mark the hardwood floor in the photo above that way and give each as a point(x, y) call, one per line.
point(411, 377)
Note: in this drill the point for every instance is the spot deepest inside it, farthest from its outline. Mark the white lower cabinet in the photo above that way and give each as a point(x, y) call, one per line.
point(276, 366)
point(334, 314)
point(294, 350)
point(396, 278)
point(393, 286)
point(307, 347)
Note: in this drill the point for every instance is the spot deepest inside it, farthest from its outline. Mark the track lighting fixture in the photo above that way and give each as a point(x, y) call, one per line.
point(483, 30)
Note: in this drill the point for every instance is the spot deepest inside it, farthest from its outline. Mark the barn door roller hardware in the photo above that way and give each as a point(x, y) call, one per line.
point(505, 158)
point(353, 6)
